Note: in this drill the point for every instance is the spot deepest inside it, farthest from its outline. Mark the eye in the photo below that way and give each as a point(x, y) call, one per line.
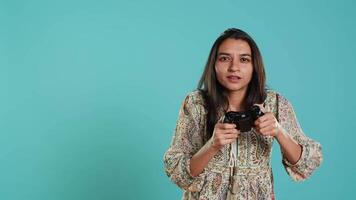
point(244, 60)
point(224, 58)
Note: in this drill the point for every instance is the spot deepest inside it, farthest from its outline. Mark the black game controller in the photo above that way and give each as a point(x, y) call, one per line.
point(244, 120)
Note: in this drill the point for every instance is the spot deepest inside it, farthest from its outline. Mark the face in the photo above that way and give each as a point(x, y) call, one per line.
point(234, 65)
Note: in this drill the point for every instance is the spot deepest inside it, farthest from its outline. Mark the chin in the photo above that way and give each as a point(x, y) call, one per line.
point(235, 88)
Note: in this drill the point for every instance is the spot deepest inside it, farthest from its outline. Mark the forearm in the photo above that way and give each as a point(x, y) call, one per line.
point(289, 147)
point(201, 159)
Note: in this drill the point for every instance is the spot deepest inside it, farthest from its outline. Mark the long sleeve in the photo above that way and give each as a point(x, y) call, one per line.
point(311, 156)
point(187, 140)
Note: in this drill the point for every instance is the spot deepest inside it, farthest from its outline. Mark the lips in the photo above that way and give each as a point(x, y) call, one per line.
point(233, 77)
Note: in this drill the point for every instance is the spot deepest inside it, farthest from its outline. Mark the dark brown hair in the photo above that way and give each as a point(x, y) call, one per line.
point(214, 93)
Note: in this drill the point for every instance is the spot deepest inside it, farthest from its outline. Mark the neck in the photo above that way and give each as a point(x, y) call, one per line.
point(236, 100)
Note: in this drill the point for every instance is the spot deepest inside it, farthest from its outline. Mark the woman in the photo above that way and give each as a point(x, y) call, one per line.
point(210, 159)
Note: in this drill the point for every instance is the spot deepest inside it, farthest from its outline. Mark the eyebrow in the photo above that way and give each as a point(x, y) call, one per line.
point(243, 54)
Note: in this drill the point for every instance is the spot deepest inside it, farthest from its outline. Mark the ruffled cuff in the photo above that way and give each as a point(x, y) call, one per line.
point(309, 160)
point(196, 182)
point(180, 174)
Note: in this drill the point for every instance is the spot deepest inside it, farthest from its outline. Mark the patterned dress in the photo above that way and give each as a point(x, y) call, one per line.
point(255, 180)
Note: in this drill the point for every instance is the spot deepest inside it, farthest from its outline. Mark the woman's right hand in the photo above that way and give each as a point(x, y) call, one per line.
point(223, 134)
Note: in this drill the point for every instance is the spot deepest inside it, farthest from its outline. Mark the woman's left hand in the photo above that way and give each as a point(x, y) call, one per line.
point(268, 125)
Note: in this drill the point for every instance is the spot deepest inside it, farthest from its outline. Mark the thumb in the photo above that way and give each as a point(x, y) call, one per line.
point(262, 107)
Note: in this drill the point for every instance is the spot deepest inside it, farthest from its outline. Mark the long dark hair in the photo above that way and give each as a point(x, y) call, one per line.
point(214, 93)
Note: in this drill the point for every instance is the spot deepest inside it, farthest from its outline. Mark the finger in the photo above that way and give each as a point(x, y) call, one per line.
point(227, 126)
point(262, 118)
point(266, 124)
point(270, 115)
point(222, 132)
point(229, 141)
point(260, 106)
point(267, 130)
point(230, 136)
point(224, 125)
point(233, 131)
point(266, 117)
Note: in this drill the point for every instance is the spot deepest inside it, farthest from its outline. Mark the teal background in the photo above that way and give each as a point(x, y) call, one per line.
point(90, 90)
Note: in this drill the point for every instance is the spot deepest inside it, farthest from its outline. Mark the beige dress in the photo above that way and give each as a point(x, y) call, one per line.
point(255, 180)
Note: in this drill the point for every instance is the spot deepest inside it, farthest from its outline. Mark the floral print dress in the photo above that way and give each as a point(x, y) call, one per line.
point(253, 171)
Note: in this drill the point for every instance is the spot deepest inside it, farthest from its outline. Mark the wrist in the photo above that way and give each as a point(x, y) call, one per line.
point(279, 133)
point(212, 147)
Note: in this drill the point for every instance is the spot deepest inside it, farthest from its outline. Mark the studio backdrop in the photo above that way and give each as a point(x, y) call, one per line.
point(90, 90)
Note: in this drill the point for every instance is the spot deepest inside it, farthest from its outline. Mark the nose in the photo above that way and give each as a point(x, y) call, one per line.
point(234, 65)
